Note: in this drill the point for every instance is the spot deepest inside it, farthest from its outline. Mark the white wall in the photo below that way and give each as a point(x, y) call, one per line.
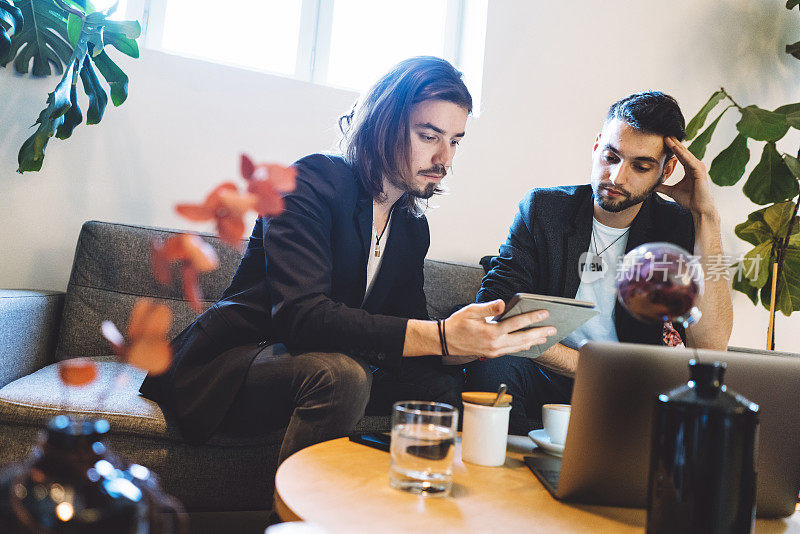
point(551, 71)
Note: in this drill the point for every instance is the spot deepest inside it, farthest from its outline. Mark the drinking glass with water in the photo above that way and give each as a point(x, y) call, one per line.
point(423, 447)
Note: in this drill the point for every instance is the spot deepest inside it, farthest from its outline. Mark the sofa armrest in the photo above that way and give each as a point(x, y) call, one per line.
point(29, 323)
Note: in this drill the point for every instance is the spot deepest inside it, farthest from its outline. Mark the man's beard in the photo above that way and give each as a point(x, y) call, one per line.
point(428, 191)
point(626, 201)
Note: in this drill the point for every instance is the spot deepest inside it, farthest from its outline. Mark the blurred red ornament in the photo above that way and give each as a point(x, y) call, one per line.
point(147, 346)
point(267, 181)
point(224, 205)
point(77, 371)
point(194, 255)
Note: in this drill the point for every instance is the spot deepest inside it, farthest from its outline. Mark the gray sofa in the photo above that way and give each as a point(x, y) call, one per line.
point(111, 270)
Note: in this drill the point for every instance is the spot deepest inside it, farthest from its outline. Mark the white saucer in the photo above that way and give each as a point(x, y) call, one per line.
point(541, 439)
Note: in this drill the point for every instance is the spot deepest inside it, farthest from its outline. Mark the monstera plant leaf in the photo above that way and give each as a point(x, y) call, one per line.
point(72, 34)
point(52, 119)
point(10, 21)
point(41, 41)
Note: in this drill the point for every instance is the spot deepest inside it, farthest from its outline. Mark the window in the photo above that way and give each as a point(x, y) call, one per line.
point(345, 43)
point(368, 37)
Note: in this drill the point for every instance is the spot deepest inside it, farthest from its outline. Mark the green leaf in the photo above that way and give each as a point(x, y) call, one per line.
point(740, 283)
point(754, 232)
point(129, 28)
point(792, 112)
point(117, 80)
point(74, 27)
point(783, 303)
point(789, 284)
point(96, 41)
point(10, 21)
point(699, 145)
point(771, 180)
point(122, 43)
point(793, 119)
point(98, 99)
point(728, 167)
point(788, 299)
point(777, 218)
point(699, 120)
point(31, 155)
point(42, 40)
point(774, 220)
point(73, 116)
point(762, 125)
point(757, 263)
point(793, 164)
point(793, 49)
point(787, 108)
point(80, 6)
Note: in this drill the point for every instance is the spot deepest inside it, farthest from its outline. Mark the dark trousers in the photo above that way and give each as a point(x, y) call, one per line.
point(530, 385)
point(321, 396)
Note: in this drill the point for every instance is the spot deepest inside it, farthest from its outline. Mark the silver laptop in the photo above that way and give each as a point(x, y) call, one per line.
point(607, 452)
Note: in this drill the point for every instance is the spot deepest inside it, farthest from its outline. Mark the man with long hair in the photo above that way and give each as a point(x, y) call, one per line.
point(326, 312)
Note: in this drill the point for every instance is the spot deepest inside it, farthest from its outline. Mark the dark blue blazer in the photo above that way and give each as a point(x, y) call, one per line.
point(552, 229)
point(301, 282)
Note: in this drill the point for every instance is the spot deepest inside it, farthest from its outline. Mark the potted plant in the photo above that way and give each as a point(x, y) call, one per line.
point(69, 37)
point(770, 271)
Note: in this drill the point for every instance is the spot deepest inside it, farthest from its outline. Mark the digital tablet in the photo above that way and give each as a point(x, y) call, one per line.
point(565, 315)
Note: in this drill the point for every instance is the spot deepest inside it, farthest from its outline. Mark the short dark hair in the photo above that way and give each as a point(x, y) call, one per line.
point(651, 112)
point(375, 133)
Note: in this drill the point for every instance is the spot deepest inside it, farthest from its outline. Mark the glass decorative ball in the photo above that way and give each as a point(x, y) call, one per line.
point(660, 282)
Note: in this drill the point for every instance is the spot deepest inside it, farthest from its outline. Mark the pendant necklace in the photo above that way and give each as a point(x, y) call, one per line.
point(379, 236)
point(594, 239)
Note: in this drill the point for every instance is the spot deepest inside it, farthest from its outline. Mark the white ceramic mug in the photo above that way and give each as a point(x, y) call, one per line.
point(555, 418)
point(485, 434)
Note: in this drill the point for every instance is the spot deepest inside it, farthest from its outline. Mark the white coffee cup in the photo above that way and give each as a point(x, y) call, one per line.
point(555, 418)
point(485, 434)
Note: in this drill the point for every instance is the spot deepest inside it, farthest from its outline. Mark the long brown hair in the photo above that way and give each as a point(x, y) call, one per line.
point(376, 134)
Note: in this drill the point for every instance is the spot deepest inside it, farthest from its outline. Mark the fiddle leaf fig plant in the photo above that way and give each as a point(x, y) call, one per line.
point(70, 37)
point(773, 230)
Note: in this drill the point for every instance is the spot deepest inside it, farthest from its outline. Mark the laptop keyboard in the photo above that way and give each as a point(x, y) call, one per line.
point(547, 470)
point(550, 476)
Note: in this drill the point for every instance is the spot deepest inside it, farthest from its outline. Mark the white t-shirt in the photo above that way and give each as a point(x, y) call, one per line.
point(373, 261)
point(599, 286)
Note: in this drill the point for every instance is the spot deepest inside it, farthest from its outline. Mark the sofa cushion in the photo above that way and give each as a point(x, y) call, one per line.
point(39, 396)
point(226, 473)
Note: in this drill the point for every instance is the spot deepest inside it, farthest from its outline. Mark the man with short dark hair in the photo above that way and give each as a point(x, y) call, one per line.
point(636, 151)
point(327, 311)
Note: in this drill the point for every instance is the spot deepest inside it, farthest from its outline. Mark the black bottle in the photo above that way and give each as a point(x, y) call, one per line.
point(72, 484)
point(702, 463)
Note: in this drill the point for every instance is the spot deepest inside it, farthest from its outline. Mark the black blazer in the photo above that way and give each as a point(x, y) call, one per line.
point(301, 282)
point(552, 229)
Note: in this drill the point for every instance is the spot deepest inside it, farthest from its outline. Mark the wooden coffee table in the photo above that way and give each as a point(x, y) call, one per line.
point(344, 487)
